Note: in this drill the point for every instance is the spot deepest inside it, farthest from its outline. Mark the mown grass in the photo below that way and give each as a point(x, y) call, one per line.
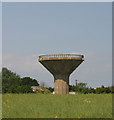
point(56, 106)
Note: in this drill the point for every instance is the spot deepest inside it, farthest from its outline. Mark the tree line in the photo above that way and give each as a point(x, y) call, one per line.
point(82, 88)
point(13, 83)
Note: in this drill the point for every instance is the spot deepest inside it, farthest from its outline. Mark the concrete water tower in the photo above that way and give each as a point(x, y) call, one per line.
point(61, 66)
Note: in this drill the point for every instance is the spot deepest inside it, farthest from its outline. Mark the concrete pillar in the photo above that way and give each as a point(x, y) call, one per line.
point(61, 84)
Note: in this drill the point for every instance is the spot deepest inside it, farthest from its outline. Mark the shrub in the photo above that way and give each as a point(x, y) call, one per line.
point(46, 91)
point(39, 91)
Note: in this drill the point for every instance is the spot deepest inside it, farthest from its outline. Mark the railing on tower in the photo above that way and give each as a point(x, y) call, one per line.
point(61, 55)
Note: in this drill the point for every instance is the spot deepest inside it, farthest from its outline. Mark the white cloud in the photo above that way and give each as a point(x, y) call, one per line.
point(95, 70)
point(27, 66)
point(21, 63)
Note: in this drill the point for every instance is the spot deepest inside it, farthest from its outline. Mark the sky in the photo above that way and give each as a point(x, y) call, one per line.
point(0, 35)
point(32, 29)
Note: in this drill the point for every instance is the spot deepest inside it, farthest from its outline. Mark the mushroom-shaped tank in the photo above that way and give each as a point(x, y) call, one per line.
point(61, 66)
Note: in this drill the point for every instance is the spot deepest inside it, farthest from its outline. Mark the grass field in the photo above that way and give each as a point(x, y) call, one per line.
point(56, 106)
point(0, 106)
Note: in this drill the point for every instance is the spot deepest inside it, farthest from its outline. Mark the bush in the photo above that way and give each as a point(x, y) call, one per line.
point(39, 92)
point(20, 89)
point(51, 89)
point(46, 91)
point(103, 90)
point(107, 90)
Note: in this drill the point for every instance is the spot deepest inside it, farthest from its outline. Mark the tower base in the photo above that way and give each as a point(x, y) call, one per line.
point(61, 84)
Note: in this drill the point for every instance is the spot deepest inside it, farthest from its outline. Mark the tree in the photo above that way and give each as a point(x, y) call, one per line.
point(42, 84)
point(9, 79)
point(82, 85)
point(103, 90)
point(12, 83)
point(29, 81)
point(25, 89)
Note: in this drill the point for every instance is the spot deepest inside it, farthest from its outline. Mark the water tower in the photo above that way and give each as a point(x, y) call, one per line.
point(61, 66)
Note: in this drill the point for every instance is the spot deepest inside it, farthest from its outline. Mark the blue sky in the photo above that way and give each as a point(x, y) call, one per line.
point(31, 29)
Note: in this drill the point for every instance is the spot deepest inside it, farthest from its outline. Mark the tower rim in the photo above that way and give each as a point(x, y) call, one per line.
point(61, 57)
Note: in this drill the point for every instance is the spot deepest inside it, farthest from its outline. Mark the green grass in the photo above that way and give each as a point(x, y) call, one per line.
point(61, 106)
point(0, 106)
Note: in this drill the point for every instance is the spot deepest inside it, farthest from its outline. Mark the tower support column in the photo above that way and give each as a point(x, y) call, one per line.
point(61, 84)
